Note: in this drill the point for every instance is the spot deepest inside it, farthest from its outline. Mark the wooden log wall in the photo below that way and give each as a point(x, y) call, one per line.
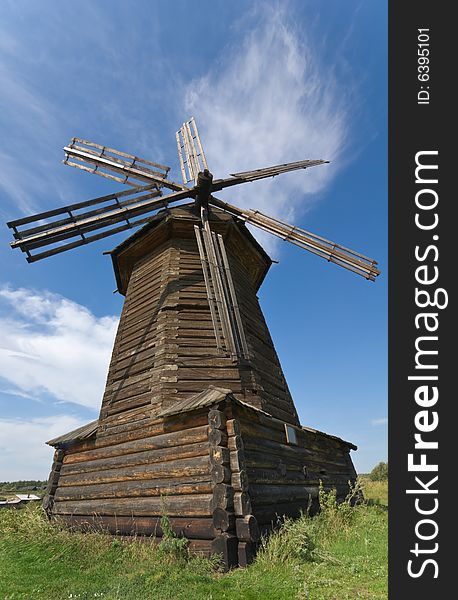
point(222, 474)
point(282, 478)
point(165, 348)
point(53, 480)
point(124, 482)
point(267, 375)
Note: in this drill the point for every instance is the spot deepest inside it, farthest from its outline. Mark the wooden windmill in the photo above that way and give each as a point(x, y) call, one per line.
point(197, 419)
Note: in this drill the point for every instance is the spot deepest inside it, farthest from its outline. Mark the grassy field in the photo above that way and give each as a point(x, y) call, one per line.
point(340, 554)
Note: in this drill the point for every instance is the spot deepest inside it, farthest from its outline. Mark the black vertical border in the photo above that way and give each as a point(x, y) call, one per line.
point(413, 128)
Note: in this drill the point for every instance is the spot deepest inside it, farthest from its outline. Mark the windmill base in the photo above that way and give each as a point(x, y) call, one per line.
point(222, 471)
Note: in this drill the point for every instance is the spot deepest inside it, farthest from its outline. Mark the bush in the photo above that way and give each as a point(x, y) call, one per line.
point(379, 472)
point(172, 546)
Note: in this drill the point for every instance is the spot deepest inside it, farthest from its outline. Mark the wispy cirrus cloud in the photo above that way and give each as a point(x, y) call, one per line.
point(51, 345)
point(270, 100)
point(378, 422)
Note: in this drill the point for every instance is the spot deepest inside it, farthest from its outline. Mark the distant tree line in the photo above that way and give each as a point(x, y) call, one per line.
point(379, 472)
point(17, 486)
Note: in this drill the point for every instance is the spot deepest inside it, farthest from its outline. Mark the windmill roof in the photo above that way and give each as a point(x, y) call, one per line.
point(81, 433)
point(185, 211)
point(212, 395)
point(206, 398)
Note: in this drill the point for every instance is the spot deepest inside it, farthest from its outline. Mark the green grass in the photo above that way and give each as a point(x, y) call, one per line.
point(375, 491)
point(340, 554)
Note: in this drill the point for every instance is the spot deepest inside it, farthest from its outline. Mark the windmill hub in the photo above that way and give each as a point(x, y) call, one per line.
point(203, 188)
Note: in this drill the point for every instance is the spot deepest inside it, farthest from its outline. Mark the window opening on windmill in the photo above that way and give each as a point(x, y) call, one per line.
point(291, 437)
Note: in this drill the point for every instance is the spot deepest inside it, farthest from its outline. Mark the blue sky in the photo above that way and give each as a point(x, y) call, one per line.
point(268, 83)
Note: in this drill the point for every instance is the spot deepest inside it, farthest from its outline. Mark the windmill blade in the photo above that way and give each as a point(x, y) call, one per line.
point(222, 299)
point(247, 176)
point(110, 210)
point(128, 168)
point(332, 252)
point(236, 318)
point(190, 151)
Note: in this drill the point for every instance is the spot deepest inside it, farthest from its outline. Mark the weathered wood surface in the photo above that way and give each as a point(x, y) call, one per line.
point(247, 529)
point(174, 506)
point(173, 468)
point(226, 545)
point(223, 496)
point(246, 553)
point(166, 320)
point(145, 457)
point(194, 528)
point(174, 439)
point(223, 520)
point(272, 514)
point(118, 431)
point(133, 489)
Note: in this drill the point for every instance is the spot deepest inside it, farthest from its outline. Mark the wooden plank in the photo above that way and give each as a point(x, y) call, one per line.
point(226, 546)
point(157, 426)
point(165, 440)
point(174, 506)
point(197, 528)
point(174, 468)
point(247, 529)
point(138, 458)
point(133, 490)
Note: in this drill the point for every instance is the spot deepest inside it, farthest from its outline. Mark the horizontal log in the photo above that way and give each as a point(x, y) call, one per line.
point(157, 442)
point(120, 387)
point(264, 494)
point(114, 405)
point(216, 419)
point(247, 528)
point(196, 528)
point(239, 481)
point(196, 386)
point(265, 457)
point(233, 427)
point(219, 455)
point(223, 496)
point(235, 442)
point(201, 548)
point(226, 546)
point(220, 474)
point(157, 426)
point(138, 458)
point(274, 476)
point(133, 489)
point(242, 504)
point(173, 506)
point(273, 406)
point(276, 512)
point(173, 468)
point(128, 416)
point(223, 520)
point(253, 429)
point(237, 460)
point(306, 438)
point(216, 437)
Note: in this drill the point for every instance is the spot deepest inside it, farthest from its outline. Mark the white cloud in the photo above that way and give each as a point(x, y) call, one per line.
point(53, 345)
point(382, 421)
point(271, 101)
point(23, 452)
